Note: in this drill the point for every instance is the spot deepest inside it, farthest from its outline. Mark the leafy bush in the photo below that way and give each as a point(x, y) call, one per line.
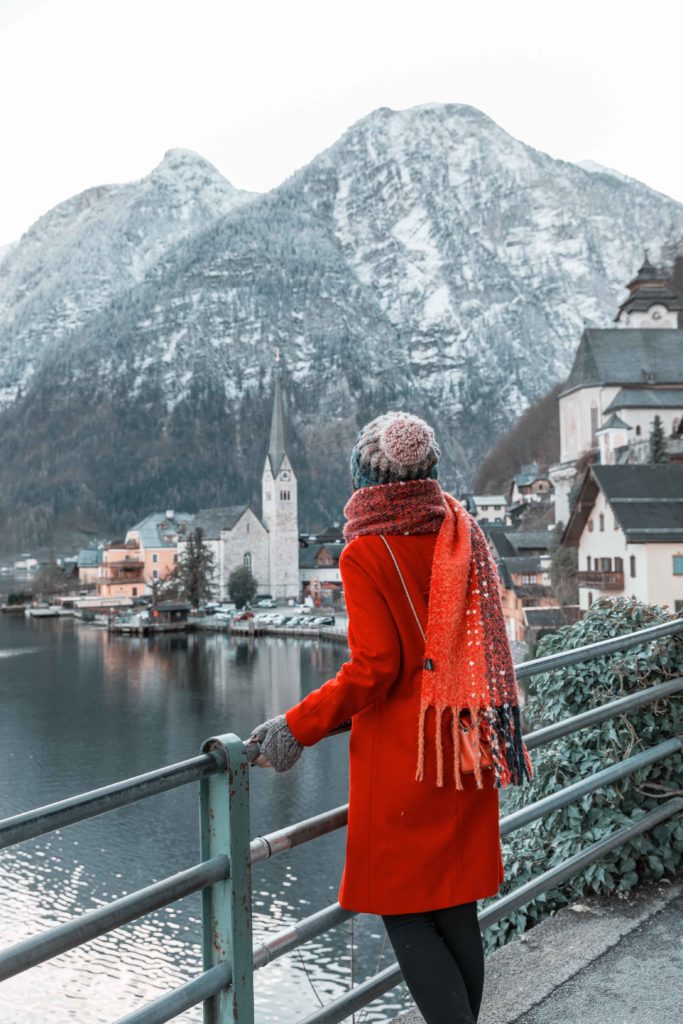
point(557, 695)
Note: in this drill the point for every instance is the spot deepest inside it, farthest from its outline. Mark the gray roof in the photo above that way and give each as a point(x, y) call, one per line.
point(647, 501)
point(158, 531)
point(614, 423)
point(90, 557)
point(489, 499)
point(545, 616)
point(276, 445)
point(525, 564)
point(647, 398)
point(622, 355)
point(308, 555)
point(214, 520)
point(529, 540)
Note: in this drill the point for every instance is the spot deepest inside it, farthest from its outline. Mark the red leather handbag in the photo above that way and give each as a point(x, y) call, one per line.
point(468, 754)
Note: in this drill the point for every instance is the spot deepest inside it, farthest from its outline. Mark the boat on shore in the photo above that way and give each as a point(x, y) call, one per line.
point(41, 611)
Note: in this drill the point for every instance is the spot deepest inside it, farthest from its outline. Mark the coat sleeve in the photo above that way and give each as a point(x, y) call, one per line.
point(374, 664)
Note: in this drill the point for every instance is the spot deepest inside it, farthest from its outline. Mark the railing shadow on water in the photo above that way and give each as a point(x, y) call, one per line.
point(223, 876)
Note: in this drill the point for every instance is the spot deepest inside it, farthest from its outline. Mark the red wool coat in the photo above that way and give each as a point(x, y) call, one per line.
point(410, 846)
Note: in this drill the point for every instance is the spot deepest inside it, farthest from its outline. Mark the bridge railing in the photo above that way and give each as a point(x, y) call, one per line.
point(225, 986)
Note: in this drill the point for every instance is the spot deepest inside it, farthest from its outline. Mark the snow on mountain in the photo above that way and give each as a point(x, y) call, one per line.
point(90, 248)
point(427, 260)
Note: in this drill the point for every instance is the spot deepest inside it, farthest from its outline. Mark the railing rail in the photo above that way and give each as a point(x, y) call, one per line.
point(224, 874)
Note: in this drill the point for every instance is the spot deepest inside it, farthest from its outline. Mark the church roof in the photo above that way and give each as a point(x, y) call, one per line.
point(625, 355)
point(214, 520)
point(647, 398)
point(276, 444)
point(614, 423)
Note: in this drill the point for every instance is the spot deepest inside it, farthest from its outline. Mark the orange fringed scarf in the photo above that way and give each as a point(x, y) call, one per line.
point(468, 663)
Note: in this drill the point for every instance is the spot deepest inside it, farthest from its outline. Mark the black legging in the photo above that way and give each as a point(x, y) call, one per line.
point(441, 955)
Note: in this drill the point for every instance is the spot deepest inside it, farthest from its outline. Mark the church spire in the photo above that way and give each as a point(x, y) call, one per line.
point(276, 446)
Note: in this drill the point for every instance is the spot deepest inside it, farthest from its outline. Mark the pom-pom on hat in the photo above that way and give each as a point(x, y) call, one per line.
point(395, 446)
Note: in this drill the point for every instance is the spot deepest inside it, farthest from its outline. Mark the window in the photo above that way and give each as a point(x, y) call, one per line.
point(616, 524)
point(247, 527)
point(605, 564)
point(638, 431)
point(135, 591)
point(175, 557)
point(155, 574)
point(590, 525)
point(633, 566)
point(247, 560)
point(678, 607)
point(588, 563)
point(267, 495)
point(528, 578)
point(155, 557)
point(594, 425)
point(590, 598)
point(678, 565)
point(618, 564)
point(602, 523)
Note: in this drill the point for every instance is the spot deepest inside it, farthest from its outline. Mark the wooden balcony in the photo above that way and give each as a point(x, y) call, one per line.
point(601, 580)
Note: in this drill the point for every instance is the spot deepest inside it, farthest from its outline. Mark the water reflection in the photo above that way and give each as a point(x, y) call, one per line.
point(81, 709)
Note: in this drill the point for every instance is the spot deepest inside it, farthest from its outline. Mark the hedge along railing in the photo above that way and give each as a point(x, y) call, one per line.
point(224, 874)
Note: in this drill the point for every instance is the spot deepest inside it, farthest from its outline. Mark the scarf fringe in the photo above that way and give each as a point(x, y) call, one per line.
point(511, 759)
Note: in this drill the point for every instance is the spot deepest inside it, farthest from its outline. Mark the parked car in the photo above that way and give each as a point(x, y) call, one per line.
point(327, 620)
point(242, 616)
point(266, 602)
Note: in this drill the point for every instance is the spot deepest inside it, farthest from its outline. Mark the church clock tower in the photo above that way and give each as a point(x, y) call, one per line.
point(279, 502)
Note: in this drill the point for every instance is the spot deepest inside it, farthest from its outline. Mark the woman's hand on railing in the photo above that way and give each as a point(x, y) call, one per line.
point(273, 745)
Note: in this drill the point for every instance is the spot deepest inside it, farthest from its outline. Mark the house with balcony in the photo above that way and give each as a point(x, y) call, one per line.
point(121, 573)
point(531, 484)
point(157, 537)
point(627, 523)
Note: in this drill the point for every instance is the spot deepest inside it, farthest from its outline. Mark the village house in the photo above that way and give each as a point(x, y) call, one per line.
point(531, 484)
point(487, 508)
point(89, 562)
point(319, 573)
point(121, 573)
point(621, 378)
point(157, 537)
point(627, 524)
point(523, 560)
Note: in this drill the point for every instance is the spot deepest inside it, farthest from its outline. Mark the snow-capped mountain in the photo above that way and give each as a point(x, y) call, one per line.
point(76, 258)
point(427, 261)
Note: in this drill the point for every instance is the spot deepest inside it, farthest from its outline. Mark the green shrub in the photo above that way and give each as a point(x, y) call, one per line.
point(557, 695)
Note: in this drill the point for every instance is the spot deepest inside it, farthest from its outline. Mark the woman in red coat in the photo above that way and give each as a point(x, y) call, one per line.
point(428, 643)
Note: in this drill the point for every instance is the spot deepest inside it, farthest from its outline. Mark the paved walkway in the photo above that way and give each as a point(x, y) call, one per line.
point(600, 961)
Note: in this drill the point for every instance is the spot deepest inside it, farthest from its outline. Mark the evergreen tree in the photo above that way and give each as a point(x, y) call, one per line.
point(658, 441)
point(241, 586)
point(194, 574)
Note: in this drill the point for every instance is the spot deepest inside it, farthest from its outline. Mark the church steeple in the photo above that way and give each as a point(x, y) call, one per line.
point(276, 446)
point(280, 502)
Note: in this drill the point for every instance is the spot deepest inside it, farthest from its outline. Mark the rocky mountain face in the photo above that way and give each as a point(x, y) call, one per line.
point(426, 261)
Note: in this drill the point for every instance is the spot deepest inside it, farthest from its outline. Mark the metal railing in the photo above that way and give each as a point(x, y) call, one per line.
point(227, 854)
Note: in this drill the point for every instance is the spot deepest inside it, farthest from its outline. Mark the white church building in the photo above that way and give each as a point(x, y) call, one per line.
point(268, 546)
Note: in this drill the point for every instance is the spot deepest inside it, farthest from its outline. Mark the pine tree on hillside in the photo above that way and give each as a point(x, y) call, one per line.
point(658, 441)
point(195, 572)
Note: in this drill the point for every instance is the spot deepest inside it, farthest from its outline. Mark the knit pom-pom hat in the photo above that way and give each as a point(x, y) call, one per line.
point(395, 446)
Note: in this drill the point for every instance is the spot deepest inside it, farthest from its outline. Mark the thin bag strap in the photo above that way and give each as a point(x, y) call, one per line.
point(400, 576)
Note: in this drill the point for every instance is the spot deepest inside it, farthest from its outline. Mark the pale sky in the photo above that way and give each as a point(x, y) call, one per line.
point(95, 91)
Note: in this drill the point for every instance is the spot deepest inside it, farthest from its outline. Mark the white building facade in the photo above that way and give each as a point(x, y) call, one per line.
point(628, 527)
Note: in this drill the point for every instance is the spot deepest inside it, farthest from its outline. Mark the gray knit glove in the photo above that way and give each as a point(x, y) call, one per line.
point(278, 743)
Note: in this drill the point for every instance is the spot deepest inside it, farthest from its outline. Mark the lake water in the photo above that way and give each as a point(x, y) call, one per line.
point(79, 709)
